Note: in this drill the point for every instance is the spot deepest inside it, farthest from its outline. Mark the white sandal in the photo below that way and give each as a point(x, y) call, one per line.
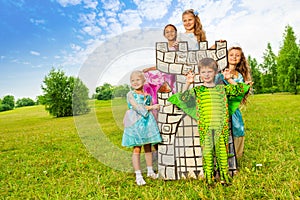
point(152, 175)
point(140, 181)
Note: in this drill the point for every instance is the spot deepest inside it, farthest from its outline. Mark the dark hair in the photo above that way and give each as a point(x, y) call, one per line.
point(168, 26)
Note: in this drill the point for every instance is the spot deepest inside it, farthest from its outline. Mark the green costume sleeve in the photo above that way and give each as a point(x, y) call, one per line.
point(186, 102)
point(235, 95)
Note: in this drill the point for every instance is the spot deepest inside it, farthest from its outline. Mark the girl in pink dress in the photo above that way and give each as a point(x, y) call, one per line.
point(155, 78)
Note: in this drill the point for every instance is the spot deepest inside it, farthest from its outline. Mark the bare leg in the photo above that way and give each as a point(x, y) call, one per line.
point(136, 158)
point(148, 157)
point(136, 166)
point(148, 154)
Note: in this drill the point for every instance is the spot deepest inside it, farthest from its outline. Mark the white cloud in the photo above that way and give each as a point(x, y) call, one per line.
point(110, 13)
point(255, 24)
point(37, 21)
point(65, 3)
point(130, 19)
point(76, 47)
point(252, 23)
point(111, 20)
point(112, 5)
point(35, 53)
point(92, 30)
point(152, 9)
point(114, 29)
point(89, 23)
point(118, 70)
point(102, 22)
point(90, 4)
point(87, 18)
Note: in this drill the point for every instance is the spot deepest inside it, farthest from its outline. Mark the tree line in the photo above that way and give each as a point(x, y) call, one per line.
point(281, 72)
point(68, 96)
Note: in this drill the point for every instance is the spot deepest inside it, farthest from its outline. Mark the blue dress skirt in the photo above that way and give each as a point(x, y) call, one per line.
point(140, 126)
point(238, 128)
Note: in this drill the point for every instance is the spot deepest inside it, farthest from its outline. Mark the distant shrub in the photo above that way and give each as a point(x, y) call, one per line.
point(25, 102)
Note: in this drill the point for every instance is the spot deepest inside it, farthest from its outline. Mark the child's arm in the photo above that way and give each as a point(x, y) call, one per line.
point(189, 80)
point(149, 69)
point(140, 109)
point(149, 106)
point(227, 77)
point(153, 107)
point(185, 100)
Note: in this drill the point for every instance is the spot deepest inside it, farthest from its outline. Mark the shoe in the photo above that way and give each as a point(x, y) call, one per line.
point(140, 181)
point(152, 175)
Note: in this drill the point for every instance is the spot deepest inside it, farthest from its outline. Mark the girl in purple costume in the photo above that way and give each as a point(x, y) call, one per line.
point(155, 78)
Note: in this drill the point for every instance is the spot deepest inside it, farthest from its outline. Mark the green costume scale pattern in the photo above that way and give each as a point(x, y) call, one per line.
point(211, 107)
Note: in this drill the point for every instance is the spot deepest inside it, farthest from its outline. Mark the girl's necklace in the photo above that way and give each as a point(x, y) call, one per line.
point(234, 74)
point(139, 91)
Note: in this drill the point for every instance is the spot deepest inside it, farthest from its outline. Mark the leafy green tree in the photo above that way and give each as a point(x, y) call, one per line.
point(25, 102)
point(40, 100)
point(5, 107)
point(256, 74)
point(121, 90)
point(269, 66)
point(8, 103)
point(288, 62)
point(80, 97)
point(104, 92)
point(58, 95)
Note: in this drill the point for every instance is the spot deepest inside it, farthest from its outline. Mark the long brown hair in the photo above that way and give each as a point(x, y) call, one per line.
point(198, 30)
point(243, 66)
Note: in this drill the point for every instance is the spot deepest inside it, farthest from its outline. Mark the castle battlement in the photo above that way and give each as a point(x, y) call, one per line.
point(179, 154)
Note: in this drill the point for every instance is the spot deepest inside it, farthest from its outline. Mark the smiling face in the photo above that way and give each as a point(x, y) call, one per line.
point(208, 69)
point(137, 81)
point(188, 20)
point(234, 56)
point(170, 33)
point(207, 74)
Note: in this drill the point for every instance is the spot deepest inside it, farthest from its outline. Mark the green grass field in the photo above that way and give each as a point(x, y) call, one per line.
point(42, 157)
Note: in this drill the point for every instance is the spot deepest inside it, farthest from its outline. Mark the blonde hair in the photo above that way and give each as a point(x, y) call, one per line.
point(139, 73)
point(198, 30)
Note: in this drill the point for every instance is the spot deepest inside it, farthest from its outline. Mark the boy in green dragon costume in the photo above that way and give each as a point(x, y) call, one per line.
point(211, 105)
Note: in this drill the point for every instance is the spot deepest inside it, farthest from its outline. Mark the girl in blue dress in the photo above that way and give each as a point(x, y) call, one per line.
point(140, 127)
point(240, 73)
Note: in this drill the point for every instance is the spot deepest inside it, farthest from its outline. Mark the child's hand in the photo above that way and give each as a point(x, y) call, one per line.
point(149, 69)
point(175, 45)
point(249, 82)
point(145, 70)
point(226, 73)
point(155, 107)
point(190, 77)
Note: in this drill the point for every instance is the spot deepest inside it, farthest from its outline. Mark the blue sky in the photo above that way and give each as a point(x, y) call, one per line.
point(38, 35)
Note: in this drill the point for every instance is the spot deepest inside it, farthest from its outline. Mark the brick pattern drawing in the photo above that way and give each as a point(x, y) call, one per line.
point(179, 154)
